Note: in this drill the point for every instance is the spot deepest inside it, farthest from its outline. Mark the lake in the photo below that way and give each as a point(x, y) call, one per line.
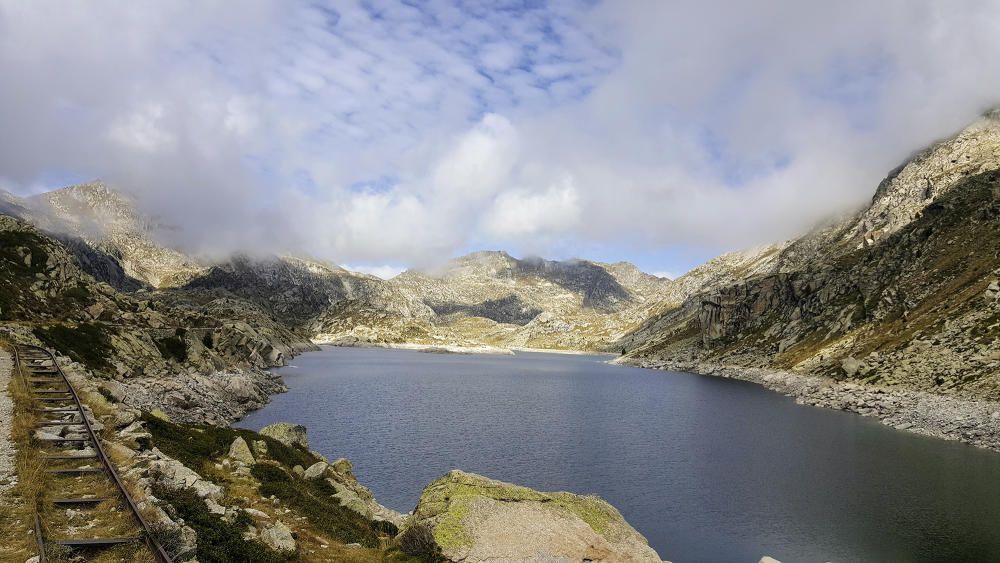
point(708, 469)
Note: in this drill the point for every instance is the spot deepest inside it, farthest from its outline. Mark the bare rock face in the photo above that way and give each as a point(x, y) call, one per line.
point(287, 433)
point(279, 538)
point(111, 239)
point(474, 518)
point(902, 293)
point(903, 195)
point(316, 470)
point(173, 475)
point(239, 451)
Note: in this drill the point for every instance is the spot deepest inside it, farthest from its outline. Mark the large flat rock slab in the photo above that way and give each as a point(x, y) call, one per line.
point(474, 518)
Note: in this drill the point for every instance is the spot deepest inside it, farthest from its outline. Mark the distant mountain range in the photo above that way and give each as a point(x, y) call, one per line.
point(483, 298)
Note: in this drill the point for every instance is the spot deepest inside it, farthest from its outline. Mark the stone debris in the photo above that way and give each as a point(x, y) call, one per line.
point(8, 470)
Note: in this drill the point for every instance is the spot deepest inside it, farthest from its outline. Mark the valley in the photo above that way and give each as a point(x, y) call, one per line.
point(892, 312)
point(576, 281)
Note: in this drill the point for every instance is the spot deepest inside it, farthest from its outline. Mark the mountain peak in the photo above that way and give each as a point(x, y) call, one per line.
point(908, 189)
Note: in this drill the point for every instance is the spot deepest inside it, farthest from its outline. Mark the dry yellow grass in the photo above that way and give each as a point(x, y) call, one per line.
point(17, 541)
point(36, 488)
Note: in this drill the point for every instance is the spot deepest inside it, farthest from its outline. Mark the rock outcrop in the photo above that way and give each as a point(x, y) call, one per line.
point(339, 474)
point(473, 518)
point(287, 433)
point(174, 475)
point(240, 452)
point(316, 470)
point(278, 537)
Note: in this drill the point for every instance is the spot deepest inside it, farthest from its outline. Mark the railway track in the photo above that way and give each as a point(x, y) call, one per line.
point(80, 478)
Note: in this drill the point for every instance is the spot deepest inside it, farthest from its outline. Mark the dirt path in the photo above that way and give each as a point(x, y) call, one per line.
point(7, 466)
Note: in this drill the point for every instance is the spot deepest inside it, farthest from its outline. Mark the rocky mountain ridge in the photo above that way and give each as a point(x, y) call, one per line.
point(46, 299)
point(487, 297)
point(902, 294)
point(109, 223)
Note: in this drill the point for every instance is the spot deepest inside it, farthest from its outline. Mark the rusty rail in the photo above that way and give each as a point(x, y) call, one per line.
point(157, 550)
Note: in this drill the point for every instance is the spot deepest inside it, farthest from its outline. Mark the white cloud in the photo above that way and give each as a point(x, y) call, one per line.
point(479, 163)
point(240, 116)
point(518, 214)
point(499, 56)
point(384, 271)
point(640, 124)
point(142, 130)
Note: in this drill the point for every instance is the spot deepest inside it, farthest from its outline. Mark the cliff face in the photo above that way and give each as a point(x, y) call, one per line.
point(902, 293)
point(294, 290)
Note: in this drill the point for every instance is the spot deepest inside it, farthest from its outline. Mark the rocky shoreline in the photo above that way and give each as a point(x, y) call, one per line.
point(220, 398)
point(976, 423)
point(351, 342)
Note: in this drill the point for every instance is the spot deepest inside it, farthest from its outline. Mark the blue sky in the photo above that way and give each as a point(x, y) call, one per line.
point(384, 134)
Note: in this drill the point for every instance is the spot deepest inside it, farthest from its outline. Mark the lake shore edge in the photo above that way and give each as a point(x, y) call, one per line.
point(976, 423)
point(450, 348)
point(429, 348)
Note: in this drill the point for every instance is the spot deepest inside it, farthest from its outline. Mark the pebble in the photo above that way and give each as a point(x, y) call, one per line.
point(8, 476)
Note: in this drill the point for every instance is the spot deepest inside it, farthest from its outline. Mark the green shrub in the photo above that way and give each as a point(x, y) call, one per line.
point(419, 541)
point(218, 541)
point(11, 241)
point(80, 294)
point(314, 500)
point(172, 348)
point(107, 395)
point(195, 445)
point(87, 343)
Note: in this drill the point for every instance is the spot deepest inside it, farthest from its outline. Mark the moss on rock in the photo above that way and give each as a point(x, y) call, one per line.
point(464, 509)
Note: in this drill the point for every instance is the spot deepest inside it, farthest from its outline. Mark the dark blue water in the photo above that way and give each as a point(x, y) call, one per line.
point(707, 469)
